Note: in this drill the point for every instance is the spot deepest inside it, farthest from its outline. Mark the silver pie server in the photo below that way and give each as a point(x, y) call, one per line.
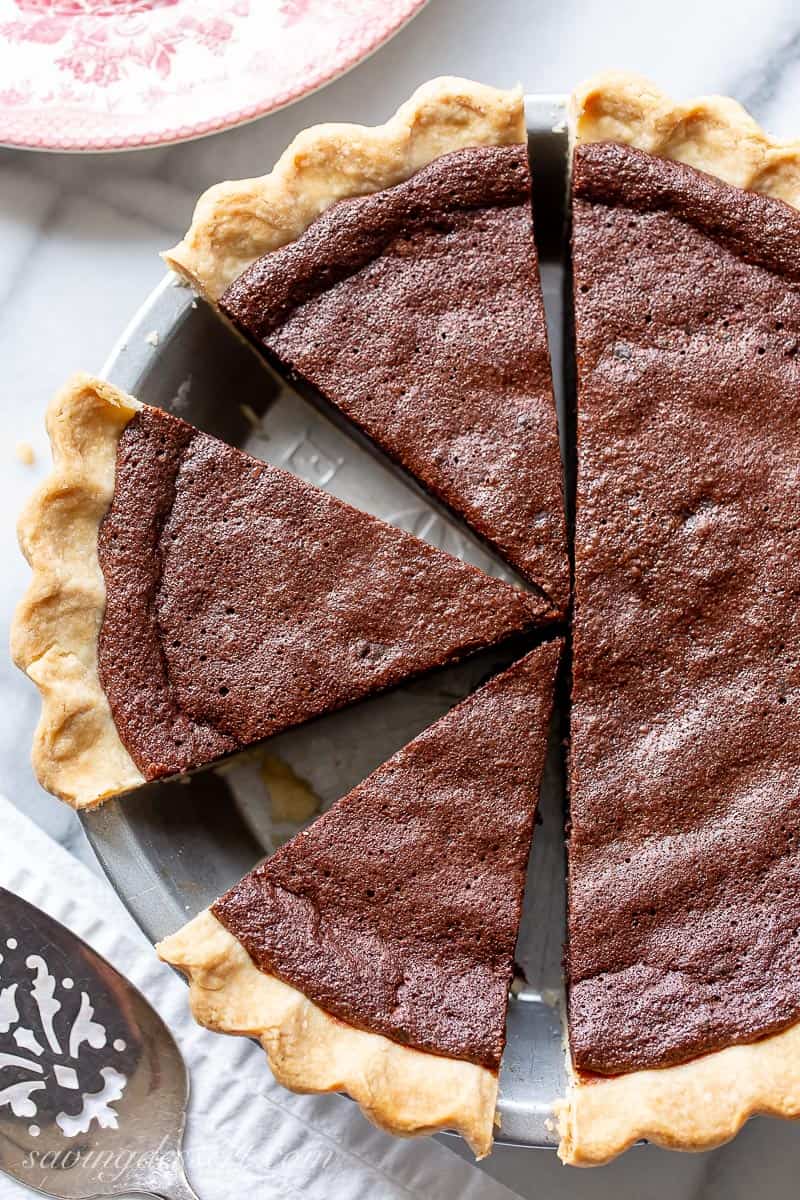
point(93, 1088)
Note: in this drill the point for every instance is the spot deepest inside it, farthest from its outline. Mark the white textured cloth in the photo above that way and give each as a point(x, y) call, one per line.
point(245, 1135)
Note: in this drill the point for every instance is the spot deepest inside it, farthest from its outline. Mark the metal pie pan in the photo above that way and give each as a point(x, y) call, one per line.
point(172, 848)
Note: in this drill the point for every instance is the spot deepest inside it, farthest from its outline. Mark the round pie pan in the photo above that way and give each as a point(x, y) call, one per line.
point(172, 848)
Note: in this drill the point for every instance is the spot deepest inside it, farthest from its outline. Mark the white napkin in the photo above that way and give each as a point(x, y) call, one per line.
point(245, 1135)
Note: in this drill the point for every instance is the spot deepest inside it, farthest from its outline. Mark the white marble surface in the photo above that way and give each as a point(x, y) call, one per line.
point(78, 244)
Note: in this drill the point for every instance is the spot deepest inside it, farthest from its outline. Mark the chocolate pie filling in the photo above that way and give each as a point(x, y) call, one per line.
point(241, 600)
point(417, 311)
point(684, 875)
point(398, 909)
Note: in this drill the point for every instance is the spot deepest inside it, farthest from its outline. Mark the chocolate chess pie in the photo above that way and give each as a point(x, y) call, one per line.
point(373, 953)
point(394, 271)
point(188, 600)
point(684, 873)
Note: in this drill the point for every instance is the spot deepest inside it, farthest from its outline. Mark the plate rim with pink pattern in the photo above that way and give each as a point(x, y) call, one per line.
point(101, 75)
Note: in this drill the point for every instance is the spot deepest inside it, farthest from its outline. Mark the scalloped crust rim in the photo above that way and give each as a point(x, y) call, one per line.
point(77, 752)
point(704, 1102)
point(236, 223)
point(694, 1106)
point(711, 133)
point(401, 1090)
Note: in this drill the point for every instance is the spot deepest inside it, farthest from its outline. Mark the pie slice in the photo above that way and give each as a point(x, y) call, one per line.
point(684, 869)
point(188, 600)
point(373, 952)
point(394, 270)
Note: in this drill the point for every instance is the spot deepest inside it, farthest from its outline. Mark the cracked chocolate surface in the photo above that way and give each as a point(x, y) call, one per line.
point(417, 311)
point(684, 871)
point(398, 909)
point(242, 601)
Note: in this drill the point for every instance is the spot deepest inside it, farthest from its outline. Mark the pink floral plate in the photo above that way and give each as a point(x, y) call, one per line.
point(119, 74)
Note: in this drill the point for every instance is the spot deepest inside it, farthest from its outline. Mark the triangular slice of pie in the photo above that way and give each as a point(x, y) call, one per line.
point(394, 269)
point(684, 865)
point(188, 600)
point(373, 953)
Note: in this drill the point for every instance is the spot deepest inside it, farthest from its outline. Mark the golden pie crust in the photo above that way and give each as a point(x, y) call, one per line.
point(694, 1106)
point(77, 752)
point(712, 133)
point(401, 1090)
point(236, 223)
point(703, 1102)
